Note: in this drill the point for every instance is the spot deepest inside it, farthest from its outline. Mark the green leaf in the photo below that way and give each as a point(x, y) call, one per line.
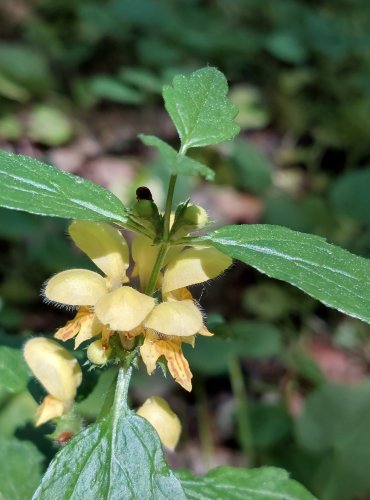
point(287, 48)
point(48, 125)
point(120, 457)
point(251, 170)
point(20, 468)
point(304, 365)
point(10, 127)
point(17, 412)
point(141, 78)
point(199, 108)
point(334, 423)
point(270, 424)
point(350, 195)
point(114, 90)
point(240, 484)
point(32, 186)
point(328, 273)
point(14, 374)
point(24, 66)
point(177, 163)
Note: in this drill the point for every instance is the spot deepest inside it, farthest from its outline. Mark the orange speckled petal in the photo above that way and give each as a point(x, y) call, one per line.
point(83, 326)
point(153, 348)
point(176, 362)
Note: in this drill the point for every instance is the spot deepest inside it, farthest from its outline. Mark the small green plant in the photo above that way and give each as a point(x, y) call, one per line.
point(145, 315)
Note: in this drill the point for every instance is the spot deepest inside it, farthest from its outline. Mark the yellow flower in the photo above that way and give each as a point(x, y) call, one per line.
point(107, 305)
point(193, 266)
point(167, 424)
point(96, 296)
point(59, 373)
point(177, 319)
point(157, 344)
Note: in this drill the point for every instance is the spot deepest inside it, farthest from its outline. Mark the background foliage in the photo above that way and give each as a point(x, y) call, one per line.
point(285, 382)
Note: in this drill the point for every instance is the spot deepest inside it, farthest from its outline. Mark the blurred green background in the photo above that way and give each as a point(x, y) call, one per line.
point(285, 381)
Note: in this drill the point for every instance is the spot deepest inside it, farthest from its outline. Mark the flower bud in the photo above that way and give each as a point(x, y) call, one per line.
point(145, 213)
point(196, 216)
point(145, 209)
point(188, 219)
point(167, 424)
point(97, 353)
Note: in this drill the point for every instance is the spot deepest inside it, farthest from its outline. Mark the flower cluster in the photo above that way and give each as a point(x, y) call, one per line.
point(108, 305)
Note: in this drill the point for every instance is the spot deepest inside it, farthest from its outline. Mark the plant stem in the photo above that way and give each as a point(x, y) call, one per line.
point(183, 150)
point(109, 399)
point(241, 410)
point(123, 382)
point(166, 231)
point(117, 392)
point(205, 435)
point(149, 289)
point(168, 209)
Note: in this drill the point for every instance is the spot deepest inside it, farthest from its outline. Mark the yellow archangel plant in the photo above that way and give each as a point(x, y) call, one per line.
point(108, 306)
